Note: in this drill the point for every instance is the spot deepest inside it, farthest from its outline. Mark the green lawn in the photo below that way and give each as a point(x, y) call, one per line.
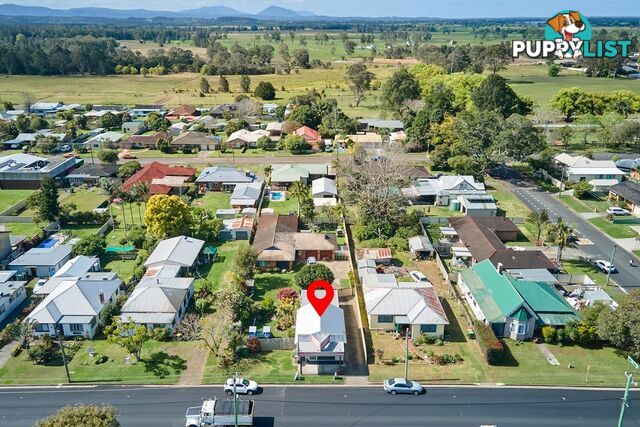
point(506, 200)
point(618, 229)
point(590, 204)
point(124, 267)
point(9, 198)
point(574, 204)
point(216, 272)
point(81, 231)
point(267, 284)
point(27, 229)
point(282, 207)
point(85, 200)
point(213, 200)
point(162, 363)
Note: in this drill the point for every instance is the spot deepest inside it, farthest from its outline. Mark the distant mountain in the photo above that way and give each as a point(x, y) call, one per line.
point(211, 12)
point(278, 12)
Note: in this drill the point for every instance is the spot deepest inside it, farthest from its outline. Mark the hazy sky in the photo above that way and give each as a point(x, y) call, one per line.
point(422, 8)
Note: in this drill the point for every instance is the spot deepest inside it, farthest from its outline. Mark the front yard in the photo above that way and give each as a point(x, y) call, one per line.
point(618, 229)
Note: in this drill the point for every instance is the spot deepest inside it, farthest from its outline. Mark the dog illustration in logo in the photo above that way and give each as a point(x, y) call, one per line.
point(568, 25)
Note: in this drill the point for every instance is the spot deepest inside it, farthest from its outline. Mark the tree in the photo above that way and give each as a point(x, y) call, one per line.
point(205, 225)
point(264, 143)
point(167, 216)
point(244, 266)
point(286, 313)
point(128, 169)
point(520, 139)
point(310, 273)
point(245, 83)
point(621, 327)
point(299, 191)
point(294, 143)
point(494, 94)
point(359, 79)
point(223, 84)
point(205, 87)
point(107, 155)
point(571, 101)
point(301, 58)
point(128, 336)
point(553, 70)
point(265, 91)
point(157, 122)
point(93, 245)
point(496, 57)
point(539, 219)
point(108, 313)
point(581, 189)
point(22, 332)
point(559, 233)
point(82, 415)
point(564, 134)
point(110, 121)
point(400, 88)
point(308, 209)
point(45, 201)
point(139, 193)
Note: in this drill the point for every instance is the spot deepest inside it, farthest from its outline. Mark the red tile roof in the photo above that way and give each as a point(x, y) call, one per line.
point(157, 170)
point(308, 134)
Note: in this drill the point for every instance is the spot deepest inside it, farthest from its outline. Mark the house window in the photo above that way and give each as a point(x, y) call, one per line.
point(263, 263)
point(521, 328)
point(385, 318)
point(42, 327)
point(428, 328)
point(76, 328)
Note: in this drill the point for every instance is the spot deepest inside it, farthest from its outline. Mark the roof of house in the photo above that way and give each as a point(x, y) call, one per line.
point(107, 137)
point(246, 194)
point(79, 299)
point(628, 164)
point(247, 136)
point(383, 124)
point(42, 256)
point(630, 190)
point(585, 165)
point(243, 223)
point(480, 240)
point(185, 110)
point(227, 174)
point(295, 172)
point(156, 300)
point(152, 138)
point(157, 170)
point(308, 134)
point(529, 259)
point(324, 185)
point(474, 202)
point(420, 305)
point(94, 170)
point(195, 138)
point(180, 250)
point(315, 333)
point(446, 184)
point(545, 301)
point(274, 126)
point(362, 138)
point(376, 253)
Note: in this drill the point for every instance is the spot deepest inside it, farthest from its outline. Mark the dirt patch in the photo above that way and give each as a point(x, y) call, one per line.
point(197, 357)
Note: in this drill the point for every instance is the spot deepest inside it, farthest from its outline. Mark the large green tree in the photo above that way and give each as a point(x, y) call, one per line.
point(167, 216)
point(359, 80)
point(400, 88)
point(309, 273)
point(494, 94)
point(621, 327)
point(82, 415)
point(129, 336)
point(45, 202)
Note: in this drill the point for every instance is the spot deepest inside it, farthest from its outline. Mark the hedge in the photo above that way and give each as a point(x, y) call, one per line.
point(492, 348)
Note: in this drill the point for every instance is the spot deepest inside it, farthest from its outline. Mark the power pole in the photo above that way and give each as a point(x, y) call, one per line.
point(625, 398)
point(64, 357)
point(613, 254)
point(235, 401)
point(406, 357)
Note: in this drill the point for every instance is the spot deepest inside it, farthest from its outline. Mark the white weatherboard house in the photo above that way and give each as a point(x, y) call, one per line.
point(442, 190)
point(76, 268)
point(75, 305)
point(12, 293)
point(41, 262)
point(181, 251)
point(246, 195)
point(600, 174)
point(324, 187)
point(320, 340)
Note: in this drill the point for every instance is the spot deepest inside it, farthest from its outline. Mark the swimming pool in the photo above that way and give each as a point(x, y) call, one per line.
point(48, 243)
point(278, 196)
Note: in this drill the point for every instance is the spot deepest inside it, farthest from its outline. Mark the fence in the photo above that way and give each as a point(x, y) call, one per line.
point(269, 344)
point(434, 220)
point(107, 226)
point(442, 267)
point(15, 219)
point(12, 210)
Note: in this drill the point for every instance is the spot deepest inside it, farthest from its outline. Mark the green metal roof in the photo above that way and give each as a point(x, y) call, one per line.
point(494, 294)
point(210, 250)
point(522, 315)
point(545, 301)
point(556, 319)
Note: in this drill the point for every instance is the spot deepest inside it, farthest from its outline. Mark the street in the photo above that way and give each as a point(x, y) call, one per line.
point(338, 406)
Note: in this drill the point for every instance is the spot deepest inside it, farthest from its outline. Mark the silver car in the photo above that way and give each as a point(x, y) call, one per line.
point(401, 385)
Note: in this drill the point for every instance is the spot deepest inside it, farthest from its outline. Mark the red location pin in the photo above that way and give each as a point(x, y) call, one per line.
point(320, 304)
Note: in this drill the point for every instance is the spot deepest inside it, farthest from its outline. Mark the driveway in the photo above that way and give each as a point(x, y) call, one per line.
point(340, 270)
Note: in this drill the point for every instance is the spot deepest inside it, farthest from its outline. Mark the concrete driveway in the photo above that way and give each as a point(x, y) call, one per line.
point(340, 270)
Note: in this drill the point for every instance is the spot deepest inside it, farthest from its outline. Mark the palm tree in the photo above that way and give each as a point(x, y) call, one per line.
point(106, 185)
point(139, 193)
point(23, 333)
point(299, 191)
point(540, 220)
point(559, 233)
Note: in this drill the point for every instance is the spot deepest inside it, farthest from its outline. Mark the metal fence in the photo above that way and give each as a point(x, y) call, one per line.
point(269, 344)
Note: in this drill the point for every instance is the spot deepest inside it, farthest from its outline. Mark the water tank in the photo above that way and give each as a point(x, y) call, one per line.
point(454, 205)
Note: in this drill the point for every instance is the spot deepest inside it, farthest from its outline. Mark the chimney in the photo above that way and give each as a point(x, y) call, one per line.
point(101, 297)
point(500, 268)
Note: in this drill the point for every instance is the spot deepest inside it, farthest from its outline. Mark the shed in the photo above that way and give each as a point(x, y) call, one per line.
point(421, 247)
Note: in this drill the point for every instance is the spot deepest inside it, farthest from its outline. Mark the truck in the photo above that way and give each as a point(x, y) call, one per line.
point(215, 412)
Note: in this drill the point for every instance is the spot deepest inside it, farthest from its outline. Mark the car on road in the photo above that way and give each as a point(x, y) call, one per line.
point(605, 266)
point(243, 386)
point(402, 386)
point(129, 156)
point(417, 276)
point(615, 210)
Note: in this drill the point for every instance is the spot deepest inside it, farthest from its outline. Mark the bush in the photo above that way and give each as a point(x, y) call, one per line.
point(99, 358)
point(286, 293)
point(446, 359)
point(581, 189)
point(16, 351)
point(160, 334)
point(265, 90)
point(43, 352)
point(82, 415)
point(309, 273)
point(253, 344)
point(549, 334)
point(492, 348)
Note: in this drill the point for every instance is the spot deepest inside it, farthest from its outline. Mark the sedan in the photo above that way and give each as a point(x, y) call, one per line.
point(400, 385)
point(614, 210)
point(605, 266)
point(242, 387)
point(417, 276)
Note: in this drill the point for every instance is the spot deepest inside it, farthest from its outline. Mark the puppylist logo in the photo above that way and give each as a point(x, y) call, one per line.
point(568, 35)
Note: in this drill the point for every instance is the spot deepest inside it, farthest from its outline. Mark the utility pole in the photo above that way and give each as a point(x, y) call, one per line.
point(235, 401)
point(613, 254)
point(406, 357)
point(625, 398)
point(64, 357)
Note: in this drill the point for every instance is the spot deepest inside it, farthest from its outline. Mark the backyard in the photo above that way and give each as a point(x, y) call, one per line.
point(213, 200)
point(9, 198)
point(214, 274)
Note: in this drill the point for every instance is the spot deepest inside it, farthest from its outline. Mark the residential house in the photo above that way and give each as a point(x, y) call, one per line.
point(324, 188)
point(246, 195)
point(367, 139)
point(280, 245)
point(628, 165)
point(421, 247)
point(225, 178)
point(366, 267)
point(26, 139)
point(320, 340)
point(145, 110)
point(76, 268)
point(440, 191)
point(237, 229)
point(244, 138)
point(74, 306)
point(627, 192)
point(373, 125)
point(145, 141)
point(397, 137)
point(275, 130)
point(186, 112)
point(219, 111)
point(311, 136)
point(210, 123)
point(12, 293)
point(45, 108)
point(178, 128)
point(483, 238)
point(480, 205)
point(104, 140)
point(41, 262)
point(380, 256)
point(161, 178)
point(226, 213)
point(513, 308)
point(181, 251)
point(196, 140)
point(283, 175)
point(601, 174)
point(91, 173)
point(135, 127)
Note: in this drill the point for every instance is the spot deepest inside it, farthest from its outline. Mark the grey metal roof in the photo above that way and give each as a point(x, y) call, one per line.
point(247, 192)
point(42, 256)
point(227, 174)
point(420, 243)
point(181, 250)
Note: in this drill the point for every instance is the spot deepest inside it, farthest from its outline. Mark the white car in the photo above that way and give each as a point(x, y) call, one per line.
point(402, 386)
point(614, 210)
point(605, 266)
point(242, 387)
point(418, 276)
point(312, 260)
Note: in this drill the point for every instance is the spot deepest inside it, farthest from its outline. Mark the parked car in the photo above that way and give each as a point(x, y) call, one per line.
point(401, 385)
point(418, 276)
point(605, 266)
point(68, 155)
point(65, 148)
point(614, 210)
point(312, 260)
point(129, 156)
point(242, 386)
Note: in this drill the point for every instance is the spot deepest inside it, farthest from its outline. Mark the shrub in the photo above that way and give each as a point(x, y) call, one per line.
point(549, 334)
point(560, 335)
point(395, 359)
point(286, 293)
point(309, 273)
point(265, 90)
point(16, 351)
point(99, 358)
point(43, 352)
point(160, 334)
point(253, 344)
point(492, 348)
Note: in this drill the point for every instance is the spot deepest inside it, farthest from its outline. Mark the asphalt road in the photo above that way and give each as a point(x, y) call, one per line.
point(602, 247)
point(340, 406)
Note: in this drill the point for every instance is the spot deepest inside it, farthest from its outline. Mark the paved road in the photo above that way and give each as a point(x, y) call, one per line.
point(536, 199)
point(340, 406)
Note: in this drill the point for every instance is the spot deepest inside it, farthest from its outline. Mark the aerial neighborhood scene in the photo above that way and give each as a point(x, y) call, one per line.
point(225, 214)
